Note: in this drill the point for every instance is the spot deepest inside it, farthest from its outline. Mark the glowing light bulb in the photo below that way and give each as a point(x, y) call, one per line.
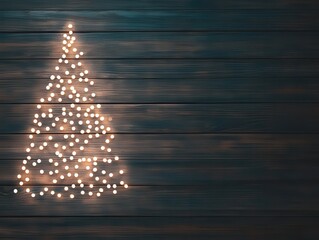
point(86, 120)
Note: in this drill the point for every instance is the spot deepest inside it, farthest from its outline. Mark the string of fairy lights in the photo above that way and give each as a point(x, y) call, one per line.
point(69, 140)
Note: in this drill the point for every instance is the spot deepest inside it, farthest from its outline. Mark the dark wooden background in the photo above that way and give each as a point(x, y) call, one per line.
point(215, 106)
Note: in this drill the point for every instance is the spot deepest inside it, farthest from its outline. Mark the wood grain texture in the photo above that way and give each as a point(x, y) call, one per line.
point(241, 228)
point(164, 20)
point(99, 5)
point(214, 106)
point(193, 146)
point(169, 68)
point(173, 170)
point(212, 90)
point(165, 45)
point(223, 199)
point(167, 118)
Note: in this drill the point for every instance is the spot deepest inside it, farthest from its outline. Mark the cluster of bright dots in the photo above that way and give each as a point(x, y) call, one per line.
point(70, 133)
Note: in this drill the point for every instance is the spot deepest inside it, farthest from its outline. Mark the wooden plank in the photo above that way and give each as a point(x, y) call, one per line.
point(169, 68)
point(220, 199)
point(272, 147)
point(160, 20)
point(167, 118)
point(176, 90)
point(165, 45)
point(192, 172)
point(241, 228)
point(149, 4)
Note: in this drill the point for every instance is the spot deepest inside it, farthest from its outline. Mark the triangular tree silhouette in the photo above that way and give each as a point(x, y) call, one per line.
point(68, 147)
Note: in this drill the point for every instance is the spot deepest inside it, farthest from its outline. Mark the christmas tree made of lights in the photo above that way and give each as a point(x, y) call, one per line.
point(68, 148)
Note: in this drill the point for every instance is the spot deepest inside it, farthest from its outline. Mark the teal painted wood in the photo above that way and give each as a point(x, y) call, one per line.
point(194, 146)
point(214, 105)
point(169, 68)
point(176, 90)
point(170, 171)
point(195, 118)
point(160, 20)
point(164, 45)
point(9, 5)
point(219, 199)
point(241, 228)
